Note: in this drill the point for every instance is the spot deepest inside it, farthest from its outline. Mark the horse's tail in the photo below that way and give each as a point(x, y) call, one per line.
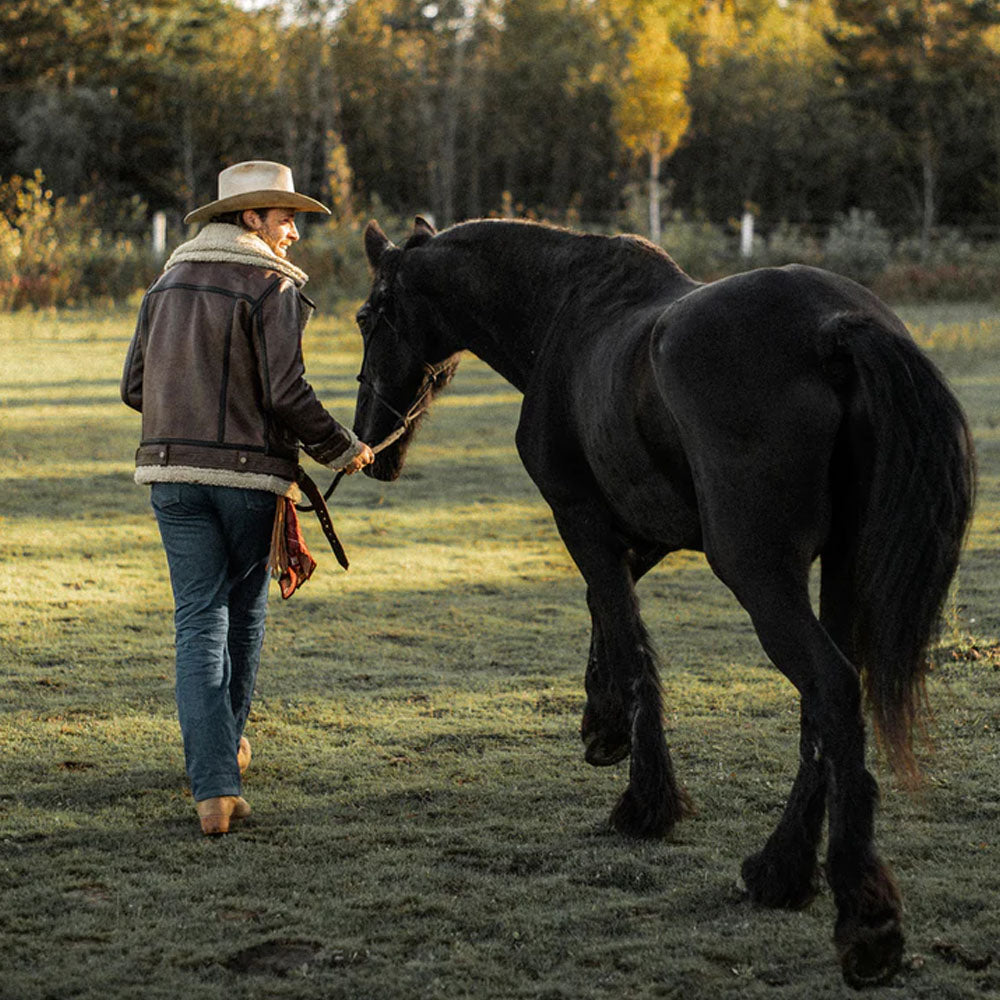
point(910, 464)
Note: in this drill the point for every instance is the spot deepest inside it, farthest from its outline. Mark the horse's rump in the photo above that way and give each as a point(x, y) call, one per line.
point(814, 425)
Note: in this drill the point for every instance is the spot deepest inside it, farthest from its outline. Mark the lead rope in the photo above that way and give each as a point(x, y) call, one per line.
point(318, 498)
point(405, 420)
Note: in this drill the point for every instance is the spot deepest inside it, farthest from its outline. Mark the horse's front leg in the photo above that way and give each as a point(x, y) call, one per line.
point(606, 728)
point(624, 697)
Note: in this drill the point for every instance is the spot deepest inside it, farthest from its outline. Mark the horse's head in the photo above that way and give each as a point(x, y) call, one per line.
point(407, 360)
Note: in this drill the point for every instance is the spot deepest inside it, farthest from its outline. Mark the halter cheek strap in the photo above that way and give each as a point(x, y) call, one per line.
point(418, 406)
point(403, 423)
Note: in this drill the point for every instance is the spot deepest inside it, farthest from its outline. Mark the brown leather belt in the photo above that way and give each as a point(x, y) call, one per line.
point(315, 495)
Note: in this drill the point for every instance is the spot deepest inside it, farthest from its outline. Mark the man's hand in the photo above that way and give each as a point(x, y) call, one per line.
point(365, 457)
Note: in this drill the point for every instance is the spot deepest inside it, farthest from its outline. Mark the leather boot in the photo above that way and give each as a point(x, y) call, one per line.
point(243, 754)
point(216, 814)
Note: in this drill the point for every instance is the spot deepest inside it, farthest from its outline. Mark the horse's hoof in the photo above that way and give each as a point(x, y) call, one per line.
point(870, 954)
point(635, 819)
point(782, 888)
point(605, 744)
point(599, 752)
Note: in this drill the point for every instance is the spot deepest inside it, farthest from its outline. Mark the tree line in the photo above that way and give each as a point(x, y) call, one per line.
point(611, 113)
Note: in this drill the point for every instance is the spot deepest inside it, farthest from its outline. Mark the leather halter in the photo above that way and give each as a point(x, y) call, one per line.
point(417, 407)
point(403, 424)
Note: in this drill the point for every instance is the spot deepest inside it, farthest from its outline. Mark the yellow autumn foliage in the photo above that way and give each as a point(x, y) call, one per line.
point(653, 112)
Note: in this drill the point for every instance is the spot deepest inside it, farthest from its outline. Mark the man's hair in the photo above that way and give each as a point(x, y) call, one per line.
point(236, 218)
point(231, 218)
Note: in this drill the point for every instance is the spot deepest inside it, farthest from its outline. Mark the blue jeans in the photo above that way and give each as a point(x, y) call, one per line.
point(217, 540)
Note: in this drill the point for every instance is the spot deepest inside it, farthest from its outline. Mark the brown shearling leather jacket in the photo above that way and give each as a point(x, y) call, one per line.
point(215, 367)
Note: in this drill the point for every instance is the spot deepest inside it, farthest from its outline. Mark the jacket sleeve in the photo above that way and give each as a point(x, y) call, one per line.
point(131, 383)
point(287, 394)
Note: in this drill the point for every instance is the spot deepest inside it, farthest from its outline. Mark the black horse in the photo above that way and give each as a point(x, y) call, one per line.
point(767, 419)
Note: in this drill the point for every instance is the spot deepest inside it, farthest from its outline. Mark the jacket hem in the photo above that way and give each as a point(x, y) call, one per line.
point(147, 474)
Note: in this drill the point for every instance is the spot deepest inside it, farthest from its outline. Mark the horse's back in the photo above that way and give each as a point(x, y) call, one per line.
point(769, 317)
point(741, 351)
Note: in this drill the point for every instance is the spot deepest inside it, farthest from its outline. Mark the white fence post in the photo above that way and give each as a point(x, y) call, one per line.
point(159, 234)
point(746, 234)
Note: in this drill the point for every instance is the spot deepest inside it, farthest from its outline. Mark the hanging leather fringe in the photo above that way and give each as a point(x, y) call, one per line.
point(290, 561)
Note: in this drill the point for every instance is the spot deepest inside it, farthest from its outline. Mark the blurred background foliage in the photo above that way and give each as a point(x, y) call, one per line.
point(862, 135)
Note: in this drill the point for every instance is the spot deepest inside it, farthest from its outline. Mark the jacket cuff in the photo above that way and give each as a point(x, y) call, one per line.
point(335, 451)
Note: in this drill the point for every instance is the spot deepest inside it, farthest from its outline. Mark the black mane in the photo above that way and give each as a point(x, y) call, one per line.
point(628, 267)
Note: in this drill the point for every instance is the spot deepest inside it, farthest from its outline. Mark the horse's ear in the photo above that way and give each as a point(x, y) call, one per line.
point(422, 232)
point(422, 225)
point(376, 242)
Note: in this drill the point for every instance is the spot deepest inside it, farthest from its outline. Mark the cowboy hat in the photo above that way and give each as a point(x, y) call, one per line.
point(255, 184)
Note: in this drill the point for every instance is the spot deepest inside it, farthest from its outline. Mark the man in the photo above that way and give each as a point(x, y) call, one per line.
point(215, 367)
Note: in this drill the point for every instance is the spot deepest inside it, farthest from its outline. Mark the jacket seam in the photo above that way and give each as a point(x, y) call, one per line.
point(197, 442)
point(192, 287)
point(257, 323)
point(227, 347)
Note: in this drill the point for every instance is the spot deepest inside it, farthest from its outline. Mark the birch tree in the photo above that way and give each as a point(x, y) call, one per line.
point(652, 110)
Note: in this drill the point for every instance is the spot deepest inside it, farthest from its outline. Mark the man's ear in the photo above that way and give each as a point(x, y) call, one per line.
point(376, 243)
point(422, 232)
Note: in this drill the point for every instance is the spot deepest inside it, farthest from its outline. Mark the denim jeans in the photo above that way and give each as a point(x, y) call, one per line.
point(217, 540)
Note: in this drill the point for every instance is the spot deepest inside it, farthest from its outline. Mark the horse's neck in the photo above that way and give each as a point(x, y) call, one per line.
point(508, 343)
point(504, 321)
point(537, 288)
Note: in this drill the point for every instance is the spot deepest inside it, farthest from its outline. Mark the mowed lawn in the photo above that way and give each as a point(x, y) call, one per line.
point(424, 824)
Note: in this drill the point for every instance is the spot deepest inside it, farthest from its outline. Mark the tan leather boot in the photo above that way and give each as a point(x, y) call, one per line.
point(216, 814)
point(243, 754)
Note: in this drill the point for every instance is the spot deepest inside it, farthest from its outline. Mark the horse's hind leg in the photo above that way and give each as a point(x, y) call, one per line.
point(785, 873)
point(868, 932)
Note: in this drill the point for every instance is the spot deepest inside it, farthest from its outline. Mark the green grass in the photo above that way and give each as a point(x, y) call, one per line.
point(424, 824)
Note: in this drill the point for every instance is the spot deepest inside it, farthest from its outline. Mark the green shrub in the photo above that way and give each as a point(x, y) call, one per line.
point(39, 237)
point(51, 256)
point(112, 268)
point(703, 249)
point(333, 257)
point(791, 244)
point(974, 281)
point(857, 246)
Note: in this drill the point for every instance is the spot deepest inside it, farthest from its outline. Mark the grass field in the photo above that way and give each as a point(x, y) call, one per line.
point(424, 824)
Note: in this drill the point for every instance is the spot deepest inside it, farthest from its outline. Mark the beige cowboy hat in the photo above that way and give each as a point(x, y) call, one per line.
point(255, 184)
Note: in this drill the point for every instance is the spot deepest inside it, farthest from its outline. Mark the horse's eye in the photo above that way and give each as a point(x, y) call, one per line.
point(363, 315)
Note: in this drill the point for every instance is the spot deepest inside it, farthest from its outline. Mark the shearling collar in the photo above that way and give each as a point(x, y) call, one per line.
point(219, 241)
